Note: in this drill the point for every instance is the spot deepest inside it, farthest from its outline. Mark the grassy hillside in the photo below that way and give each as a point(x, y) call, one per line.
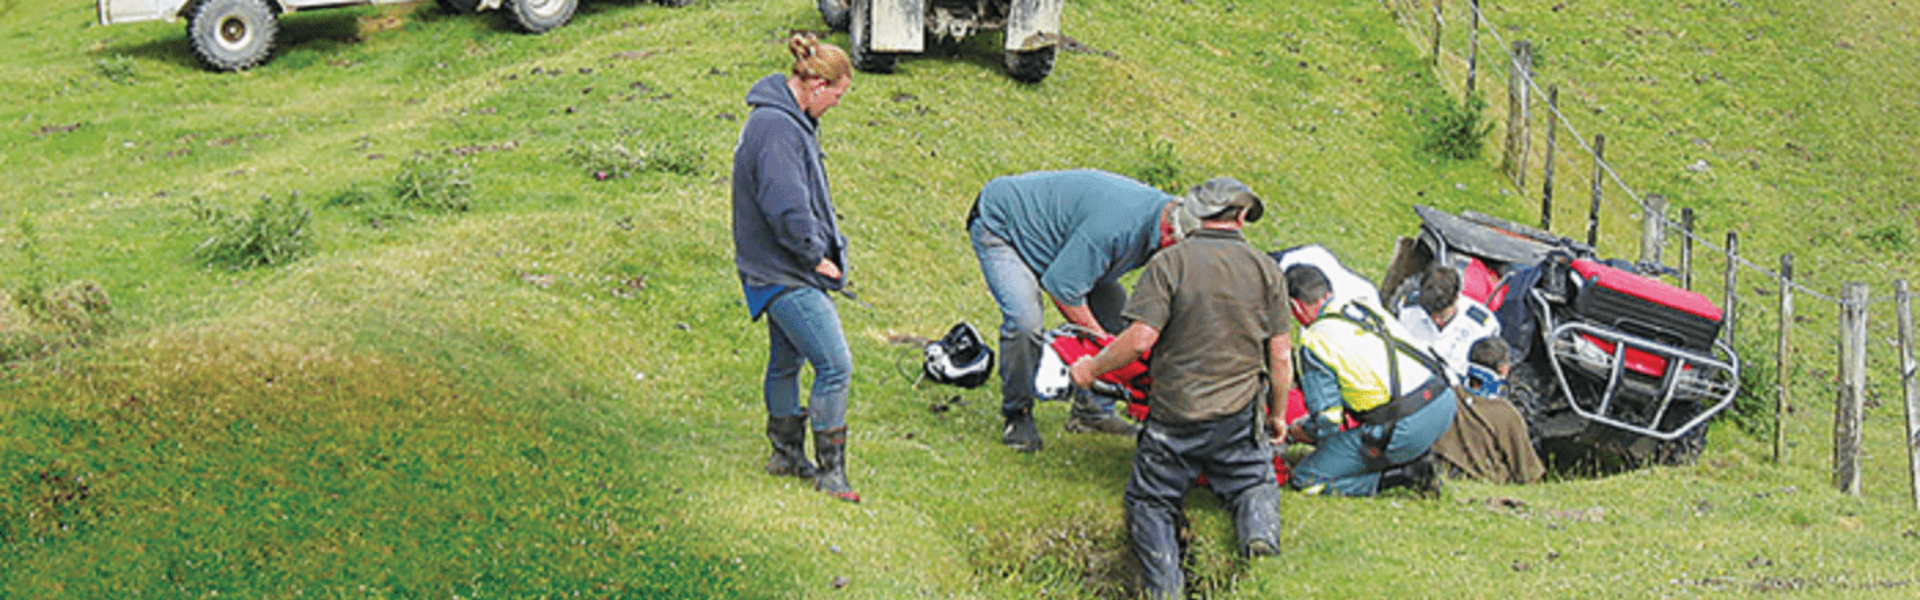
point(554, 391)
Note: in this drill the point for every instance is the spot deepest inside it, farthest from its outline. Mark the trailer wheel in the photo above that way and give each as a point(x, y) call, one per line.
point(860, 33)
point(836, 13)
point(539, 16)
point(232, 35)
point(1031, 66)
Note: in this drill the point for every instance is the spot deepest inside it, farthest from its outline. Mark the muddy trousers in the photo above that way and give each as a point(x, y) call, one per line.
point(1238, 461)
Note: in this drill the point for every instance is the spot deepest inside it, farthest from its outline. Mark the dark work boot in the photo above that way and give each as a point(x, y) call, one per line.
point(830, 448)
point(1256, 518)
point(789, 437)
point(1420, 477)
point(1087, 418)
point(1021, 434)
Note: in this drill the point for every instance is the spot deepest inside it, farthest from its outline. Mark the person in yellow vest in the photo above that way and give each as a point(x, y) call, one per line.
point(1354, 360)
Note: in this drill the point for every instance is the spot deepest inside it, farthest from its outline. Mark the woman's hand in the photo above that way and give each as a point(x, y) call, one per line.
point(827, 268)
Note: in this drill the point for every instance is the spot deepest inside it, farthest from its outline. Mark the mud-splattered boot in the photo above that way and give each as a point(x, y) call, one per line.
point(830, 449)
point(789, 437)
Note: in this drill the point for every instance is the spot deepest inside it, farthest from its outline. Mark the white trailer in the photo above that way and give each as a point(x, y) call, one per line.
point(230, 35)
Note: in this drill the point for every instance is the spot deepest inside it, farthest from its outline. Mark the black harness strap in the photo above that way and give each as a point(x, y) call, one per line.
point(1402, 404)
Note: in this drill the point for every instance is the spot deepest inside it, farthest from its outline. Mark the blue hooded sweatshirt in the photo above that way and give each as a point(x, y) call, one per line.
point(783, 216)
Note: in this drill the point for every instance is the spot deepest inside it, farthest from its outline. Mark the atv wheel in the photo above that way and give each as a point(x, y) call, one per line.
point(860, 32)
point(836, 13)
point(1031, 66)
point(458, 7)
point(232, 35)
point(539, 16)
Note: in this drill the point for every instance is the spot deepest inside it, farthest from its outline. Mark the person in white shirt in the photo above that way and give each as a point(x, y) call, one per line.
point(1445, 321)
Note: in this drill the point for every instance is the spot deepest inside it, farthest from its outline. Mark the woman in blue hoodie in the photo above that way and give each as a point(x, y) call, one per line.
point(790, 254)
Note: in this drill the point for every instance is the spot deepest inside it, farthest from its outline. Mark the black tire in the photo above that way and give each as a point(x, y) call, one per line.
point(1031, 66)
point(540, 16)
point(673, 3)
point(232, 35)
point(860, 36)
point(837, 13)
point(458, 7)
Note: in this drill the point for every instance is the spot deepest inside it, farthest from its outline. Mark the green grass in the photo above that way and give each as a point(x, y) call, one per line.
point(555, 391)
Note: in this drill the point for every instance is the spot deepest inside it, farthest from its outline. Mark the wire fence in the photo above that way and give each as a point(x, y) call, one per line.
point(1525, 74)
point(1852, 308)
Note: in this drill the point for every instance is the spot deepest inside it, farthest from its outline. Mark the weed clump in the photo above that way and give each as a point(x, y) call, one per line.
point(621, 159)
point(1457, 131)
point(274, 233)
point(1160, 167)
point(1890, 238)
point(117, 68)
point(58, 315)
point(428, 182)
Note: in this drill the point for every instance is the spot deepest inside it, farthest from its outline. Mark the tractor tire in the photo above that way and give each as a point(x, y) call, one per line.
point(232, 35)
point(458, 7)
point(837, 13)
point(860, 36)
point(1031, 66)
point(540, 16)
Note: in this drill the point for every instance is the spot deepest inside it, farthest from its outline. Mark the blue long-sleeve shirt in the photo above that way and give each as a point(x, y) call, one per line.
point(1077, 228)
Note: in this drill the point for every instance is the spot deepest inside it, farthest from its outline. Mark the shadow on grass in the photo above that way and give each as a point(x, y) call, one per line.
point(322, 32)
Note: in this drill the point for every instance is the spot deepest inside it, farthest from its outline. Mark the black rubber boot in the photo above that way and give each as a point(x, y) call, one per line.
point(789, 437)
point(1420, 476)
point(1256, 518)
point(830, 448)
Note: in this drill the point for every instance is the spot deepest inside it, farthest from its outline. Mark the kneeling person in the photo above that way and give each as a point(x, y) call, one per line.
point(1212, 310)
point(1356, 361)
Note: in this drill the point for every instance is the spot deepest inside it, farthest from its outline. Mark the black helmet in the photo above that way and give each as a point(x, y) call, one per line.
point(959, 358)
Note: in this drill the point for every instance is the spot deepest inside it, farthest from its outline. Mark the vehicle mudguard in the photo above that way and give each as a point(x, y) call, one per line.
point(133, 11)
point(897, 25)
point(1033, 24)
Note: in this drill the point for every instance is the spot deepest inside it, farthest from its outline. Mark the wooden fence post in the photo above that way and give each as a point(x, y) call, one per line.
point(1473, 48)
point(1653, 229)
point(1853, 389)
point(1782, 356)
point(1599, 169)
point(1686, 248)
point(1436, 32)
point(1905, 301)
point(1519, 112)
point(1732, 286)
point(1553, 125)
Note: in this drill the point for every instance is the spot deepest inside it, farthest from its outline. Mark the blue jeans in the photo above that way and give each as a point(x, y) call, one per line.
point(1023, 315)
point(1338, 463)
point(804, 327)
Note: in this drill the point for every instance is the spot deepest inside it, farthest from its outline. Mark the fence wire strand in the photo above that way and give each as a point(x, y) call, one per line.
point(1666, 224)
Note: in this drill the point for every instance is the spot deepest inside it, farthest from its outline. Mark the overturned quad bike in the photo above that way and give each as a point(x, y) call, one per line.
point(1612, 369)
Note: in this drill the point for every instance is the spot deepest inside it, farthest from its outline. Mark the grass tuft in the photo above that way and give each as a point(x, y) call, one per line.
point(1459, 131)
point(431, 182)
point(620, 159)
point(273, 233)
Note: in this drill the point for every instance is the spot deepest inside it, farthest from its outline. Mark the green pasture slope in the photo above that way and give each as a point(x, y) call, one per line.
point(555, 391)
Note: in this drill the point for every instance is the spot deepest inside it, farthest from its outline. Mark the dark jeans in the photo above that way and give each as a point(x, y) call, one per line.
point(1338, 464)
point(1233, 453)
